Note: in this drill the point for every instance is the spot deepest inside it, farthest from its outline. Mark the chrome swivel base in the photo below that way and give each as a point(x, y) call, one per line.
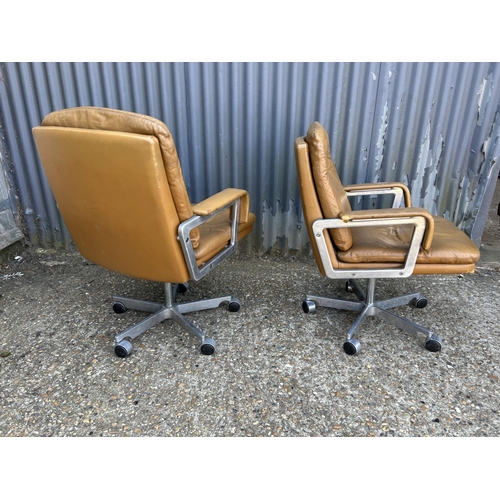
point(168, 310)
point(367, 306)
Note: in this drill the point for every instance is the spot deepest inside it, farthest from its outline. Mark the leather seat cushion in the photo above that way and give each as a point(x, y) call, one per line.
point(390, 244)
point(216, 233)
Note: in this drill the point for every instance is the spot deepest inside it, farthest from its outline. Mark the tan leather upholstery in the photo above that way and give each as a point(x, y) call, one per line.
point(395, 240)
point(331, 194)
point(118, 183)
point(216, 233)
point(395, 213)
point(444, 249)
point(94, 118)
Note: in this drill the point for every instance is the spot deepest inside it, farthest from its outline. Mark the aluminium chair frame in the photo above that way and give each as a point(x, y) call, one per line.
point(366, 304)
point(169, 309)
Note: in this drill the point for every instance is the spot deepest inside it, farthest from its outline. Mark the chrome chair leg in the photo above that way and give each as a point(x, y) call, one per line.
point(368, 306)
point(168, 310)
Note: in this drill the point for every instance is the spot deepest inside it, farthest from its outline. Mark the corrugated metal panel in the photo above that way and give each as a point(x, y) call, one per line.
point(434, 126)
point(9, 232)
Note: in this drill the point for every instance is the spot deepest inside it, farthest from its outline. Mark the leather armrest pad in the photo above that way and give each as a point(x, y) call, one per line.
point(387, 213)
point(222, 199)
point(382, 185)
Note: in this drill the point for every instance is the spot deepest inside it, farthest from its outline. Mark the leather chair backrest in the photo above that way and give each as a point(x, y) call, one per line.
point(112, 190)
point(96, 118)
point(331, 194)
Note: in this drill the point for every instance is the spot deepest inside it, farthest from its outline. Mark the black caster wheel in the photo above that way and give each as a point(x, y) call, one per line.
point(208, 347)
point(123, 348)
point(234, 306)
point(352, 346)
point(308, 306)
point(119, 308)
point(419, 302)
point(182, 287)
point(433, 343)
point(348, 287)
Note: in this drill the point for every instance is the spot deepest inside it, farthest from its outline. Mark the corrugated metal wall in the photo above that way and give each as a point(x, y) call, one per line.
point(434, 126)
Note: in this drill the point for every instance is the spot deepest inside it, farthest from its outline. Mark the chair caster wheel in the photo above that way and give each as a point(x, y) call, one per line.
point(419, 302)
point(352, 346)
point(433, 343)
point(182, 287)
point(119, 308)
point(123, 349)
point(234, 306)
point(208, 347)
point(308, 306)
point(348, 286)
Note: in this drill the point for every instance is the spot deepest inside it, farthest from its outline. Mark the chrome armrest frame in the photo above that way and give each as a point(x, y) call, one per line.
point(396, 191)
point(184, 238)
point(406, 270)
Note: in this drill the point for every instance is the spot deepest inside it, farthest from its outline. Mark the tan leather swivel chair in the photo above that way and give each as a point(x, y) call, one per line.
point(118, 184)
point(381, 243)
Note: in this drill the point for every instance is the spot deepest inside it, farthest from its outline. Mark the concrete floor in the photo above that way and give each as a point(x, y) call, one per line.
point(276, 370)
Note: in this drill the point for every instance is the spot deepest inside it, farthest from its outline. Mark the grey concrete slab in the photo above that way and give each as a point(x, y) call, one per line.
point(276, 370)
